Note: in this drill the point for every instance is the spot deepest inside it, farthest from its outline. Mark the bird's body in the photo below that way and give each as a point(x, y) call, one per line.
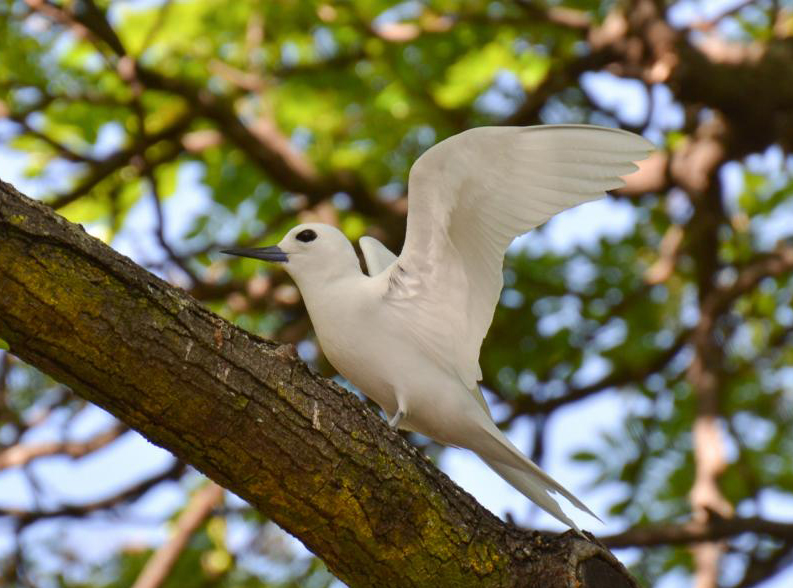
point(360, 332)
point(355, 331)
point(408, 335)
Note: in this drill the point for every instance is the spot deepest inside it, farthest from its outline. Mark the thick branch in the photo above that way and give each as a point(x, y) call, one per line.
point(251, 416)
point(712, 73)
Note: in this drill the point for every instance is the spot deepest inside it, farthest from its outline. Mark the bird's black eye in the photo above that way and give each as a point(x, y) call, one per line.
point(306, 235)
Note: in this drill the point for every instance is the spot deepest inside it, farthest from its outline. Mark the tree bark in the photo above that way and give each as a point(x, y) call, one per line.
point(251, 416)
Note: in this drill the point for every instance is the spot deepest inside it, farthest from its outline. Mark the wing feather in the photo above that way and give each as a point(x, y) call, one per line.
point(377, 256)
point(469, 197)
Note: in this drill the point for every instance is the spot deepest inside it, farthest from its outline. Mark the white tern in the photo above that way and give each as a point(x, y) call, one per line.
point(408, 334)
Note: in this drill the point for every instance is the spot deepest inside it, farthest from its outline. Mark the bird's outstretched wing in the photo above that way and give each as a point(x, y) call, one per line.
point(469, 197)
point(377, 256)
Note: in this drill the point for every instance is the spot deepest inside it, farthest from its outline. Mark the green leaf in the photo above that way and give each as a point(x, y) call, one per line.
point(472, 74)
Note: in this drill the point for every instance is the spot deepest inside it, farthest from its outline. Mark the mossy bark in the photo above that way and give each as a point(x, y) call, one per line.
point(251, 416)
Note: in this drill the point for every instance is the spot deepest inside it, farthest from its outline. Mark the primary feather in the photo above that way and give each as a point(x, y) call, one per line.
point(469, 197)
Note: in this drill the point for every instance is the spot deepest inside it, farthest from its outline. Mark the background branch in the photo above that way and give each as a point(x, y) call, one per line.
point(194, 515)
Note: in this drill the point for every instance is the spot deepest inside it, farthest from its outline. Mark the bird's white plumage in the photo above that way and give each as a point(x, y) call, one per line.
point(376, 255)
point(408, 335)
point(469, 197)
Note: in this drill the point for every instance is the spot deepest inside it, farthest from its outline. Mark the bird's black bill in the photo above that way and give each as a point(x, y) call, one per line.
point(271, 253)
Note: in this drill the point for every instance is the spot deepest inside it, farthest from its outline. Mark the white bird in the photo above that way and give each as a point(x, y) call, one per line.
point(408, 334)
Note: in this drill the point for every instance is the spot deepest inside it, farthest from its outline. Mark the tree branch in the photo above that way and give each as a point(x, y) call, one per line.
point(252, 417)
point(201, 505)
point(122, 157)
point(693, 531)
point(28, 517)
point(267, 147)
point(527, 404)
point(21, 455)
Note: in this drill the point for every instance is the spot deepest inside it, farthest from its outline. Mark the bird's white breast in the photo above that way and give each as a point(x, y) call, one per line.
point(360, 338)
point(350, 324)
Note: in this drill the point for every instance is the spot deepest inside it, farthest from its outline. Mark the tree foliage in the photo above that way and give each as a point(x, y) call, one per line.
point(221, 123)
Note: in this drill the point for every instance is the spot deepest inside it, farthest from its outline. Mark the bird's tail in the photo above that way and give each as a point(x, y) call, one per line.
point(534, 488)
point(525, 476)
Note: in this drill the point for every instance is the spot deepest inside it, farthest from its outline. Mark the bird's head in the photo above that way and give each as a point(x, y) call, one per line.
point(310, 253)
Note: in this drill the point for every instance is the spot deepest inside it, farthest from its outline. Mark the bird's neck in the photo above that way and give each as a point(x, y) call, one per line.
point(321, 275)
point(329, 280)
point(333, 304)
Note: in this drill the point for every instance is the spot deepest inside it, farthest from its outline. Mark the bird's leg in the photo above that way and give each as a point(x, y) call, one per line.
point(395, 420)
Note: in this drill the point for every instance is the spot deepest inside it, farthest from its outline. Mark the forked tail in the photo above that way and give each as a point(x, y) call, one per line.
point(525, 476)
point(536, 490)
